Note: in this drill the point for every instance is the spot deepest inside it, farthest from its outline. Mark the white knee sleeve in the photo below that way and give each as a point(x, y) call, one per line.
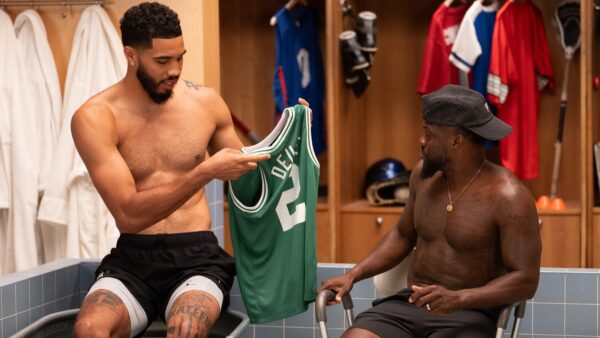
point(137, 315)
point(197, 283)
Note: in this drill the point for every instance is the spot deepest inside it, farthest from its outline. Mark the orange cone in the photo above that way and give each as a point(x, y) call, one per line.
point(543, 202)
point(557, 204)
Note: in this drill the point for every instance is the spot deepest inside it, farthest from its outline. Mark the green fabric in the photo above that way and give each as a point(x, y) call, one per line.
point(272, 215)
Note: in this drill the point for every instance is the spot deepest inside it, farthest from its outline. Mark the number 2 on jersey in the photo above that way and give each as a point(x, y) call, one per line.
point(289, 220)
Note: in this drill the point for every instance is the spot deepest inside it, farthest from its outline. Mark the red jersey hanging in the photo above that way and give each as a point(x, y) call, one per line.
point(520, 68)
point(436, 70)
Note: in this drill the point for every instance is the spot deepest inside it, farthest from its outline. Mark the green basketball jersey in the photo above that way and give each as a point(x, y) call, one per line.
point(272, 216)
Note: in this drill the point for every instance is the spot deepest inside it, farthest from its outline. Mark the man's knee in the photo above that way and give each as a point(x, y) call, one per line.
point(90, 328)
point(359, 333)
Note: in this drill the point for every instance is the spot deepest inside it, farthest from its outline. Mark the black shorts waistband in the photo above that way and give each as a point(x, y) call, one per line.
point(163, 241)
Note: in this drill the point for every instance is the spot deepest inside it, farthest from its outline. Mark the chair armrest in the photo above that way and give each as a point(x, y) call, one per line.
point(520, 310)
point(505, 313)
point(321, 304)
point(328, 295)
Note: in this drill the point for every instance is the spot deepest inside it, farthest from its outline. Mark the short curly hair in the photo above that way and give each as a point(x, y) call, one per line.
point(146, 21)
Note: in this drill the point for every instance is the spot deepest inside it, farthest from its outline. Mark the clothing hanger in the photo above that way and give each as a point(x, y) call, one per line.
point(291, 3)
point(288, 6)
point(486, 3)
point(449, 3)
point(63, 10)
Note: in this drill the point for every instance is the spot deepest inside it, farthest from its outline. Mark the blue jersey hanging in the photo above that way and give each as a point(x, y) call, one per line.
point(299, 67)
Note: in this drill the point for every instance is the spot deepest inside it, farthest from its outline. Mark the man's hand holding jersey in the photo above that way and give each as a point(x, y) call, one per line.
point(229, 164)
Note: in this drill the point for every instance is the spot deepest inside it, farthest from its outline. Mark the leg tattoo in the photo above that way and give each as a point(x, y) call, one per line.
point(198, 310)
point(103, 298)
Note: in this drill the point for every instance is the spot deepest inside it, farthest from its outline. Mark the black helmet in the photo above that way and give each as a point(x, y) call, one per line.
point(386, 182)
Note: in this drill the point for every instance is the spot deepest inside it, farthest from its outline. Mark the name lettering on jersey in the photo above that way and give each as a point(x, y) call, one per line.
point(284, 162)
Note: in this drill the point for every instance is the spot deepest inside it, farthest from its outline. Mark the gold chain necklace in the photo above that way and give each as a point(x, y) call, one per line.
point(450, 207)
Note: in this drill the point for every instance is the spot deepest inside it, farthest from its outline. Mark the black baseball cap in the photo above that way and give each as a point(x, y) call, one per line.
point(461, 107)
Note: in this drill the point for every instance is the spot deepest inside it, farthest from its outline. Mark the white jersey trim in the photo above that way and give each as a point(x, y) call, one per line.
point(264, 194)
point(497, 88)
point(311, 150)
point(275, 137)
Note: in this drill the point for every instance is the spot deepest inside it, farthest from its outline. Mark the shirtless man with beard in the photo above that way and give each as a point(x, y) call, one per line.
point(143, 141)
point(473, 226)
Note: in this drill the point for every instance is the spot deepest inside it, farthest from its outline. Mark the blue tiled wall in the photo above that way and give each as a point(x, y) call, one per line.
point(214, 195)
point(32, 294)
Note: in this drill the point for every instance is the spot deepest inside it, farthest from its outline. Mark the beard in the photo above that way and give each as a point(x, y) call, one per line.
point(431, 166)
point(150, 86)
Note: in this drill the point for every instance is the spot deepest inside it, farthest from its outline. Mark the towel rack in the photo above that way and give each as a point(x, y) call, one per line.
point(32, 3)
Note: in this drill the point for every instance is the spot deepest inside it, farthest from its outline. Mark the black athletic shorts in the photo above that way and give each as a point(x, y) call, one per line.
point(153, 266)
point(395, 317)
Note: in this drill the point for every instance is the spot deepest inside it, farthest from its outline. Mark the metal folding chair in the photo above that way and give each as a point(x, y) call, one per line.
point(327, 295)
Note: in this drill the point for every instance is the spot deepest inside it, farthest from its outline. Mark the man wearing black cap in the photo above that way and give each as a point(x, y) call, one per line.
point(473, 226)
